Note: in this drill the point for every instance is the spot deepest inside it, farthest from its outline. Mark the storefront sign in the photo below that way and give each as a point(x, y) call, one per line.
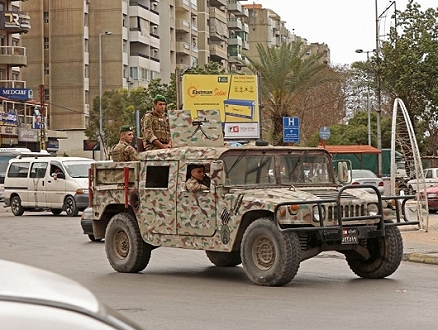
point(27, 135)
point(21, 94)
point(8, 119)
point(15, 21)
point(9, 130)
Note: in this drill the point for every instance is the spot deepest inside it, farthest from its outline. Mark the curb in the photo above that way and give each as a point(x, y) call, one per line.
point(425, 258)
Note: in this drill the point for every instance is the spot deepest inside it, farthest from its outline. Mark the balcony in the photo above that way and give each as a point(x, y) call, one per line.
point(218, 52)
point(234, 24)
point(237, 59)
point(182, 26)
point(218, 34)
point(217, 14)
point(236, 41)
point(183, 47)
point(218, 3)
point(182, 5)
point(13, 55)
point(12, 84)
point(237, 9)
point(245, 45)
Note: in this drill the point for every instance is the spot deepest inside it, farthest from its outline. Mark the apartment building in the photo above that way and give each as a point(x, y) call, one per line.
point(267, 28)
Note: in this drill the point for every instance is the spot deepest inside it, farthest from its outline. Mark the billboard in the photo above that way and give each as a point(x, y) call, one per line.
point(235, 96)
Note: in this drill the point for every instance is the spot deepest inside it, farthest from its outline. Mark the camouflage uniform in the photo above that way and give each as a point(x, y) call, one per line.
point(194, 185)
point(155, 128)
point(123, 152)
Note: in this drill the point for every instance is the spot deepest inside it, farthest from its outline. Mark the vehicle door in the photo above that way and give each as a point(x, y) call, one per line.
point(158, 195)
point(56, 185)
point(37, 183)
point(195, 211)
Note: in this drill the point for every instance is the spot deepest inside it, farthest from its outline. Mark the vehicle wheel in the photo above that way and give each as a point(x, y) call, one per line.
point(94, 239)
point(125, 249)
point(224, 259)
point(269, 257)
point(70, 206)
point(56, 211)
point(385, 255)
point(16, 207)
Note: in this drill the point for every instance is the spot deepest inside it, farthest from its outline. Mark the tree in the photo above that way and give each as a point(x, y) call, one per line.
point(286, 73)
point(409, 67)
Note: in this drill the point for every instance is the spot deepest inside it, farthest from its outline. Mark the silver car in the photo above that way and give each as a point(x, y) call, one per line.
point(367, 177)
point(32, 298)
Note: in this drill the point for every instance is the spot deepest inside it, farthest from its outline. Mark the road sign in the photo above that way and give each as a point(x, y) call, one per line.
point(324, 133)
point(291, 129)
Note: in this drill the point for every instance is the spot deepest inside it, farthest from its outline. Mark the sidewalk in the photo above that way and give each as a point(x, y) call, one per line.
point(419, 245)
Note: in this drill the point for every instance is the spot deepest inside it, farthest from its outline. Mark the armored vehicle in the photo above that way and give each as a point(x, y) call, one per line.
point(267, 208)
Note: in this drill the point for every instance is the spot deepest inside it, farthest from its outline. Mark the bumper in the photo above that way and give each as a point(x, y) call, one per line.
point(432, 204)
point(87, 222)
point(81, 201)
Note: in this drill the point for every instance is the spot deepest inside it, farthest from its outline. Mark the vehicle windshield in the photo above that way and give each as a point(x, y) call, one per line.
point(77, 169)
point(277, 169)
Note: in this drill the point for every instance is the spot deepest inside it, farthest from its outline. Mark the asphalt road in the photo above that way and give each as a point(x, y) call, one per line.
point(180, 289)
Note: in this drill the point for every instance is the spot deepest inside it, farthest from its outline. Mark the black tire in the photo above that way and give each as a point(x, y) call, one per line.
point(16, 207)
point(385, 255)
point(94, 239)
point(70, 206)
point(125, 249)
point(224, 259)
point(56, 211)
point(269, 257)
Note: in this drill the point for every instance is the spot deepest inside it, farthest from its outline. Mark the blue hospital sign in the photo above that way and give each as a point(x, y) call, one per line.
point(291, 129)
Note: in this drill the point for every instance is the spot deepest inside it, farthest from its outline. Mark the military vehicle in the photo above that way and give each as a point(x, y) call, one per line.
point(267, 208)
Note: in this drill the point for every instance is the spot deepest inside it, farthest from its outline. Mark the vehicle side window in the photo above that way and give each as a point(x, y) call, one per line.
point(38, 170)
point(18, 170)
point(428, 174)
point(157, 176)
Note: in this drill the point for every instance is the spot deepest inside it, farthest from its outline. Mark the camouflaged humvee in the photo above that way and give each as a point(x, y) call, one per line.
point(267, 208)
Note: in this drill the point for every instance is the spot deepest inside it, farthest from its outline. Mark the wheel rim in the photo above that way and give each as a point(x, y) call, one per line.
point(69, 205)
point(121, 244)
point(263, 253)
point(15, 205)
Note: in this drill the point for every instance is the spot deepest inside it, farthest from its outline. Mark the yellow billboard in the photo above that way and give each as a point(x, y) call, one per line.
point(235, 96)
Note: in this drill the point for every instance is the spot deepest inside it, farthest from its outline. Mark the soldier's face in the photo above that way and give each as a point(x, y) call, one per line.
point(127, 136)
point(159, 107)
point(198, 173)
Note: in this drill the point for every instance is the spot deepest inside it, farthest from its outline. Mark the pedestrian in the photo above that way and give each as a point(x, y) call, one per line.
point(196, 178)
point(124, 151)
point(155, 126)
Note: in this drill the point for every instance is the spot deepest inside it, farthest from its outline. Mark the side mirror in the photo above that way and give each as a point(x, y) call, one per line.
point(343, 172)
point(217, 174)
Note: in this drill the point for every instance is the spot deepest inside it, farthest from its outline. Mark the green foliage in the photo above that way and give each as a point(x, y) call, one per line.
point(286, 71)
point(209, 68)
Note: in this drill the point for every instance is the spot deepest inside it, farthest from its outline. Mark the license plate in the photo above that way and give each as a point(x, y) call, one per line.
point(349, 236)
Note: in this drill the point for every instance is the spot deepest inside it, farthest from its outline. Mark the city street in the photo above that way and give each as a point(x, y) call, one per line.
point(181, 289)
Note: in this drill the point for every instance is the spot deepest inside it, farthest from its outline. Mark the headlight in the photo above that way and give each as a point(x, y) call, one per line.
point(373, 209)
point(316, 214)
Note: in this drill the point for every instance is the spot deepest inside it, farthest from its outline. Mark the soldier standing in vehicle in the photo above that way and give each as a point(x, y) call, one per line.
point(124, 151)
point(155, 126)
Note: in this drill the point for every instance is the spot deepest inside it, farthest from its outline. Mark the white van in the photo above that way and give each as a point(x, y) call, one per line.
point(47, 183)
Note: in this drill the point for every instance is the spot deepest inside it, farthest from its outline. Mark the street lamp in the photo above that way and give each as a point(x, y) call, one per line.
point(107, 33)
point(368, 95)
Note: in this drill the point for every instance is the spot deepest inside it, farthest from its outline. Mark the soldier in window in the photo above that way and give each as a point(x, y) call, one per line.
point(196, 178)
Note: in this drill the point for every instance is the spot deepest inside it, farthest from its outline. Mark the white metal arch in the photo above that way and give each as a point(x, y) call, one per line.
point(419, 174)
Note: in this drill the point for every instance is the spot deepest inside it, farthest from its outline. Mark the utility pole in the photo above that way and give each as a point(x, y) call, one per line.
point(379, 97)
point(43, 118)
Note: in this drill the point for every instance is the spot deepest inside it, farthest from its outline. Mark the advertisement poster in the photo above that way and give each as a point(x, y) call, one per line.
point(235, 96)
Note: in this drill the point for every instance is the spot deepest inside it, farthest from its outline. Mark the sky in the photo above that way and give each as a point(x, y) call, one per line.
point(344, 25)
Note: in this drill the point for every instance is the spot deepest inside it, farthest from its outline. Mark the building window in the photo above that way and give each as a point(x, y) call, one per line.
point(46, 17)
point(85, 19)
point(46, 69)
point(46, 94)
point(2, 74)
point(15, 42)
point(87, 97)
point(87, 69)
point(133, 73)
point(46, 43)
point(15, 76)
point(2, 6)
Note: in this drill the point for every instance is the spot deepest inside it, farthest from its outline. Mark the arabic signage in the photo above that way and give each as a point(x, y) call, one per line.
point(235, 96)
point(27, 135)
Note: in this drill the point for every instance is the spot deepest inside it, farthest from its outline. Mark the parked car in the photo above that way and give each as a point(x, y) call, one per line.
point(430, 179)
point(432, 198)
point(33, 298)
point(367, 177)
point(87, 224)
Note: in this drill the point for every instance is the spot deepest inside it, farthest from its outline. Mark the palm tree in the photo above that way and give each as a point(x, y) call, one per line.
point(285, 71)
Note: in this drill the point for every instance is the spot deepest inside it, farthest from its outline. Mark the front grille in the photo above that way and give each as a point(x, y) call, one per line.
point(347, 211)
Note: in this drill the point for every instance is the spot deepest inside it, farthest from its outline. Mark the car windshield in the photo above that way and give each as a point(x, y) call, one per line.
point(77, 169)
point(363, 174)
point(248, 168)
